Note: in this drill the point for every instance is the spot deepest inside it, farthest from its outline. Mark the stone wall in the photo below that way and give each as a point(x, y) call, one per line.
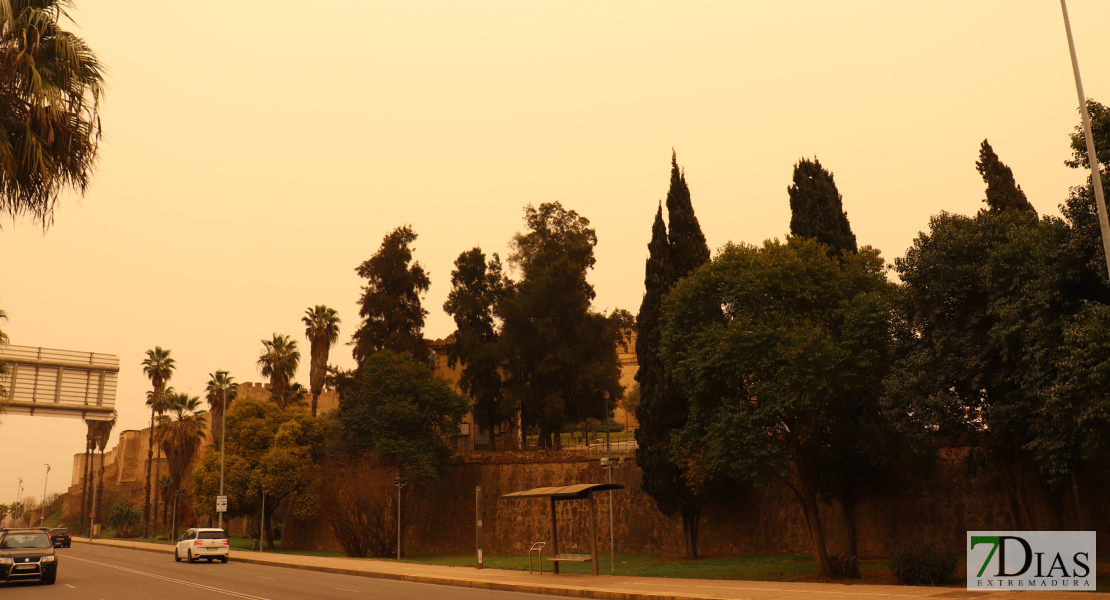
point(761, 520)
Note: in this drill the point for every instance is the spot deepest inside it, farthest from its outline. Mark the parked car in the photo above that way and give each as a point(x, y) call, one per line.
point(60, 537)
point(199, 543)
point(27, 555)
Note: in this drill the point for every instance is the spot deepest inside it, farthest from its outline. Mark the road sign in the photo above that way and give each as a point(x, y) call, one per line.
point(92, 515)
point(221, 504)
point(59, 383)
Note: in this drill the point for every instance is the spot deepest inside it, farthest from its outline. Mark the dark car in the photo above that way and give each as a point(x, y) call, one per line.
point(60, 537)
point(27, 555)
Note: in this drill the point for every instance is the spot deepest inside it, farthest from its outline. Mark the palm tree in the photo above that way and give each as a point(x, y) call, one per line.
point(158, 366)
point(50, 88)
point(220, 391)
point(103, 432)
point(181, 432)
point(90, 443)
point(279, 361)
point(294, 395)
point(322, 331)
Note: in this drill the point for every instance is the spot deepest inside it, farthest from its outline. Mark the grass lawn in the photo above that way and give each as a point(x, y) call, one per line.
point(777, 567)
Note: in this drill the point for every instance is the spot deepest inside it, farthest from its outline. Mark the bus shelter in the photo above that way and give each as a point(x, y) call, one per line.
point(578, 491)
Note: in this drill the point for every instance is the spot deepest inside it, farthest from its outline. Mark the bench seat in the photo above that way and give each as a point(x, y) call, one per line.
point(570, 558)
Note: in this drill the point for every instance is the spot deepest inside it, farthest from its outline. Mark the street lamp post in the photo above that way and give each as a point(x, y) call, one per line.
point(223, 436)
point(1092, 156)
point(262, 523)
point(42, 518)
point(607, 464)
point(607, 450)
point(400, 483)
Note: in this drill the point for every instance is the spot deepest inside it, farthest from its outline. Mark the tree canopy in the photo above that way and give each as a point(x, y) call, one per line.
point(1002, 190)
point(400, 412)
point(817, 208)
point(663, 408)
point(390, 306)
point(50, 88)
point(477, 287)
point(775, 345)
point(561, 355)
point(267, 447)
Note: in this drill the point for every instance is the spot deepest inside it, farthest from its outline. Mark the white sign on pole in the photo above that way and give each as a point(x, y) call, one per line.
point(221, 504)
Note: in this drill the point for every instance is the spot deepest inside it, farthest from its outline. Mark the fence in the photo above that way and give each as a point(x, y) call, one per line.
point(620, 444)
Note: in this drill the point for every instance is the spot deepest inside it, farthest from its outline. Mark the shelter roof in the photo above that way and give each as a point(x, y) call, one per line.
point(577, 491)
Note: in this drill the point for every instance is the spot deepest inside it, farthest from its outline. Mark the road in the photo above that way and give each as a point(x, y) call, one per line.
point(104, 573)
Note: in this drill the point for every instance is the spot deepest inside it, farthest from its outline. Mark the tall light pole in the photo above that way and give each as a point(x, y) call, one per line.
point(42, 518)
point(223, 435)
point(1092, 156)
point(1096, 182)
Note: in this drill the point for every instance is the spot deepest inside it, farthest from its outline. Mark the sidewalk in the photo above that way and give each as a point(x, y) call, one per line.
point(602, 587)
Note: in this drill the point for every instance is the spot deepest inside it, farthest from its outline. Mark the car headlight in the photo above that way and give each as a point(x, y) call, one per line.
point(5, 561)
point(46, 559)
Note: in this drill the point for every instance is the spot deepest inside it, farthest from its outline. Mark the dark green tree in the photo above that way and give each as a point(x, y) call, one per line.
point(392, 316)
point(476, 289)
point(1100, 129)
point(267, 447)
point(560, 355)
point(663, 408)
point(777, 346)
point(403, 414)
point(817, 208)
point(1002, 191)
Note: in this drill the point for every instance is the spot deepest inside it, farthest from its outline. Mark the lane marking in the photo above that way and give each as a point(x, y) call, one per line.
point(344, 590)
point(70, 587)
point(270, 578)
point(172, 580)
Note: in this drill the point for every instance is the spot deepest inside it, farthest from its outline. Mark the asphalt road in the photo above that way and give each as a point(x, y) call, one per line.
point(102, 573)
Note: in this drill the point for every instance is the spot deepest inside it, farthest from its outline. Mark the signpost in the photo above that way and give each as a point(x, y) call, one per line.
point(221, 504)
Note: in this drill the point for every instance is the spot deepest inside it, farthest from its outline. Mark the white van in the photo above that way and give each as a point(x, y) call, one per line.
point(196, 544)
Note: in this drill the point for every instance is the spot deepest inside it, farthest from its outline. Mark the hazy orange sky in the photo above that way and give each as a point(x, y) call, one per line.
point(256, 152)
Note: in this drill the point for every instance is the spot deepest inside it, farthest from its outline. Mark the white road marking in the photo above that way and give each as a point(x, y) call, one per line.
point(344, 590)
point(172, 580)
point(270, 578)
point(70, 587)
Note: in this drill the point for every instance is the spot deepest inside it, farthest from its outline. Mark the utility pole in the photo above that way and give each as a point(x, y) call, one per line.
point(46, 479)
point(1092, 155)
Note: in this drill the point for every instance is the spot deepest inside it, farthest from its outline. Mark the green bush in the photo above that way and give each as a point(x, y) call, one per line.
point(125, 517)
point(922, 563)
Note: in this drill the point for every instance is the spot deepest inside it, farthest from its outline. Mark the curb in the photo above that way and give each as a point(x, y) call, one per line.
point(545, 590)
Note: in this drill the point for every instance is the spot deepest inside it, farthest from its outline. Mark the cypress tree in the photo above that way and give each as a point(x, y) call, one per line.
point(817, 208)
point(663, 409)
point(1002, 191)
point(392, 315)
point(688, 248)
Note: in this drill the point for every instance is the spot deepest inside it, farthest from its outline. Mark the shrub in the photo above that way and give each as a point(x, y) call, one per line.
point(124, 516)
point(361, 505)
point(922, 563)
